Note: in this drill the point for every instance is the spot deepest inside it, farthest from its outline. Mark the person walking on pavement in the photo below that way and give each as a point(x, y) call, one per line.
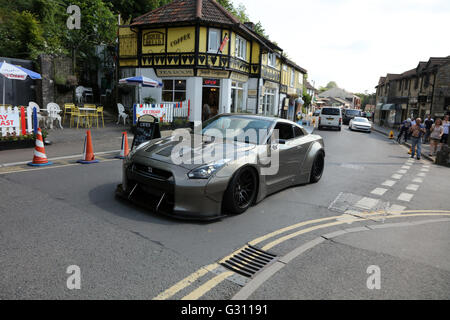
point(404, 129)
point(446, 125)
point(428, 124)
point(417, 131)
point(437, 131)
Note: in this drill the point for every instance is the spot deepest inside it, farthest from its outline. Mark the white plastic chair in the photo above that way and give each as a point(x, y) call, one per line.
point(122, 114)
point(54, 111)
point(79, 91)
point(40, 117)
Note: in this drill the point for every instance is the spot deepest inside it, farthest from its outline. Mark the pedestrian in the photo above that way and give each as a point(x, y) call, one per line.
point(428, 125)
point(404, 131)
point(446, 126)
point(206, 112)
point(437, 131)
point(417, 131)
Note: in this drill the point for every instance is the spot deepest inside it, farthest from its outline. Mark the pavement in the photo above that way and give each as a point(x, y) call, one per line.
point(426, 148)
point(375, 218)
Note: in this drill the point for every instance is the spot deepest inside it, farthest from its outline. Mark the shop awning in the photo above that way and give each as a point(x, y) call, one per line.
point(379, 106)
point(388, 107)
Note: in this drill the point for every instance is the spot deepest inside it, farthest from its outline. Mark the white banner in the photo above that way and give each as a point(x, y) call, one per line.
point(9, 119)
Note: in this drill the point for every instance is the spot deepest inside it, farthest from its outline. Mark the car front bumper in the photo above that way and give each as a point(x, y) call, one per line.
point(173, 194)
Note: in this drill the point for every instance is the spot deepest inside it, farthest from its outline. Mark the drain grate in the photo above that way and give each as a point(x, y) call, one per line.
point(249, 261)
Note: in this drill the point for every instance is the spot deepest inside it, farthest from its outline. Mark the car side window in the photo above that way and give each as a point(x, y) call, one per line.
point(285, 130)
point(298, 132)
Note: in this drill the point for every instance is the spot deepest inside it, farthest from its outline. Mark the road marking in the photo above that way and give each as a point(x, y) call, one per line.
point(379, 191)
point(202, 290)
point(402, 171)
point(412, 187)
point(186, 282)
point(303, 231)
point(57, 158)
point(427, 166)
point(367, 203)
point(265, 275)
point(407, 197)
point(406, 167)
point(425, 170)
point(411, 213)
point(397, 176)
point(395, 209)
point(63, 164)
point(389, 183)
point(418, 180)
point(422, 174)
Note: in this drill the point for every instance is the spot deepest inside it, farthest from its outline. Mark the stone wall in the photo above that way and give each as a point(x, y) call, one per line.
point(442, 90)
point(50, 88)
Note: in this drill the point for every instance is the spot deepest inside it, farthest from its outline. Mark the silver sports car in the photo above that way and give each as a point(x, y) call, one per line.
point(231, 163)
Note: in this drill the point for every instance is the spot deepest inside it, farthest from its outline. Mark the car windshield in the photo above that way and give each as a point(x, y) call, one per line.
point(353, 112)
point(360, 120)
point(331, 111)
point(241, 129)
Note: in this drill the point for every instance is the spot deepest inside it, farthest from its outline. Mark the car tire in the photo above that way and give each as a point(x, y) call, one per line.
point(241, 192)
point(340, 129)
point(317, 168)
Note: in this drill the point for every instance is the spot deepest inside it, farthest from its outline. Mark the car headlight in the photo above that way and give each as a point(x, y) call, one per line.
point(205, 172)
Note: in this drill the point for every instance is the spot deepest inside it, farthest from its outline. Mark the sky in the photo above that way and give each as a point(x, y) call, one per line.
point(355, 42)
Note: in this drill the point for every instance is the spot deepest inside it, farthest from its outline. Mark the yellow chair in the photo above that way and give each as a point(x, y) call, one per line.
point(100, 113)
point(80, 115)
point(68, 107)
point(91, 114)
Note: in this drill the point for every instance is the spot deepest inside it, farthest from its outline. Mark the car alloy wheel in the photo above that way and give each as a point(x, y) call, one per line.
point(317, 168)
point(241, 192)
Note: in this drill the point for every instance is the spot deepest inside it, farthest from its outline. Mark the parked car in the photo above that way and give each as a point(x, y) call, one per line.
point(316, 113)
point(330, 117)
point(209, 189)
point(360, 124)
point(350, 114)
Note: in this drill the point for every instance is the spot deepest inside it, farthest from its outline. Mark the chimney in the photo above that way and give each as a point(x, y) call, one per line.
point(250, 25)
point(199, 9)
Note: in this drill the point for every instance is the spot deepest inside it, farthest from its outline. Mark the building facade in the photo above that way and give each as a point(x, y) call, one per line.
point(201, 53)
point(414, 93)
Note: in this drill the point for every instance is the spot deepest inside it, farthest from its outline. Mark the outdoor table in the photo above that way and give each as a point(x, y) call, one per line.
point(87, 111)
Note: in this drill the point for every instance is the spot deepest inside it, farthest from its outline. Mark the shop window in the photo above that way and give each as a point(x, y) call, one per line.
point(174, 90)
point(214, 40)
point(241, 48)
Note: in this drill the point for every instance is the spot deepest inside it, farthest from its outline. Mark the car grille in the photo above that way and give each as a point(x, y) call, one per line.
point(152, 172)
point(154, 188)
point(362, 128)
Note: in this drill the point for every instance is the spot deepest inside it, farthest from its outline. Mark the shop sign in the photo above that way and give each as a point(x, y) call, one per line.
point(211, 82)
point(8, 119)
point(252, 93)
point(174, 73)
point(154, 39)
point(271, 85)
point(239, 77)
point(207, 73)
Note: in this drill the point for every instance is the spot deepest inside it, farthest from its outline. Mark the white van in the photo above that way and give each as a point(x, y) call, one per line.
point(330, 117)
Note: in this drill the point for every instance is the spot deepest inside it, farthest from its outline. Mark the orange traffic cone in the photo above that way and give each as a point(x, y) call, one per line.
point(40, 158)
point(88, 152)
point(125, 150)
point(391, 135)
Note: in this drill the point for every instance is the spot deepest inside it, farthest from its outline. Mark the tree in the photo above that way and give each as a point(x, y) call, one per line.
point(133, 9)
point(307, 99)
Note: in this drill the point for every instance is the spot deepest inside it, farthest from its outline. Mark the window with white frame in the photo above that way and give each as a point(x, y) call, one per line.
point(214, 40)
point(300, 79)
point(241, 48)
point(272, 60)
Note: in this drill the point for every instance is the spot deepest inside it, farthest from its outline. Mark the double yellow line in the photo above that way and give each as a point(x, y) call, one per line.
point(209, 285)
